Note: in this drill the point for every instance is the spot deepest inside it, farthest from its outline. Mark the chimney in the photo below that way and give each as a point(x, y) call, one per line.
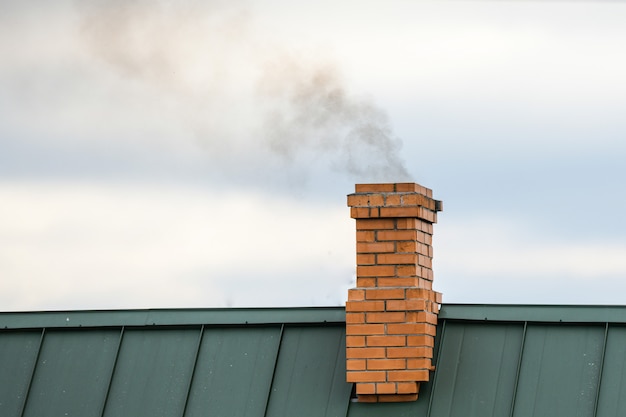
point(391, 315)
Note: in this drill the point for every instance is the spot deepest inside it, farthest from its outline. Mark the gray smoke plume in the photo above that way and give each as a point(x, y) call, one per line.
point(212, 60)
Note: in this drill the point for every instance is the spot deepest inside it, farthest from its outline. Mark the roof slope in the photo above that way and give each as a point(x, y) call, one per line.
point(491, 361)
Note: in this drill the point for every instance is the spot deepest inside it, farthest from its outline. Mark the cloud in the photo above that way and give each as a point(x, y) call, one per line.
point(131, 245)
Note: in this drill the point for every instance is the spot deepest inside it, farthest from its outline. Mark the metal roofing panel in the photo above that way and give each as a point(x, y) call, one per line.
point(72, 374)
point(477, 369)
point(152, 373)
point(309, 379)
point(560, 371)
point(234, 371)
point(18, 354)
point(612, 396)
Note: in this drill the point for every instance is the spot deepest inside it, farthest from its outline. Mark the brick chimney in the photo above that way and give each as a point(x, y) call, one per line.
point(391, 315)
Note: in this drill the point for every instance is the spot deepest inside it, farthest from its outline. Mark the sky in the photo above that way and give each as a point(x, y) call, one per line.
point(198, 154)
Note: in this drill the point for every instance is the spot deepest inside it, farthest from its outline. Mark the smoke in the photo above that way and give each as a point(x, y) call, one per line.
point(232, 82)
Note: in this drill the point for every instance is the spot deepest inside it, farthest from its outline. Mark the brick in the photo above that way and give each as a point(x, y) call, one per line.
point(375, 224)
point(385, 364)
point(407, 223)
point(409, 270)
point(361, 306)
point(365, 329)
point(412, 375)
point(406, 246)
point(385, 340)
point(387, 317)
point(397, 281)
point(365, 236)
point(366, 200)
point(355, 294)
point(420, 340)
point(404, 211)
point(356, 365)
point(384, 293)
point(407, 387)
point(404, 305)
point(355, 341)
point(406, 328)
point(355, 318)
point(375, 270)
point(425, 261)
point(368, 376)
point(361, 213)
point(385, 388)
point(414, 199)
point(419, 294)
point(369, 188)
point(396, 258)
point(384, 235)
point(365, 259)
point(407, 187)
point(418, 363)
point(396, 398)
point(360, 353)
point(408, 352)
point(393, 199)
point(364, 282)
point(366, 388)
point(375, 247)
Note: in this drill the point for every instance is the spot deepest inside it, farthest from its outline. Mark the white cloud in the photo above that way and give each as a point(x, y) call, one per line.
point(89, 245)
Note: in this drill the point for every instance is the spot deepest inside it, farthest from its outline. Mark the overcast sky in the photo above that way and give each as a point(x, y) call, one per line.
point(198, 154)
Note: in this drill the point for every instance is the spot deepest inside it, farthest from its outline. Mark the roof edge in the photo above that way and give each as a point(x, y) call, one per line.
point(301, 315)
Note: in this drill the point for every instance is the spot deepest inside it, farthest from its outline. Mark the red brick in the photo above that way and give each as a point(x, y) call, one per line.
point(406, 246)
point(404, 211)
point(375, 224)
point(409, 271)
point(409, 352)
point(376, 247)
point(367, 398)
point(407, 187)
point(360, 353)
point(414, 199)
point(397, 398)
point(419, 294)
point(368, 376)
point(356, 365)
point(365, 236)
point(388, 317)
point(366, 200)
point(365, 329)
point(355, 294)
point(413, 375)
point(364, 282)
point(406, 328)
point(397, 235)
point(355, 318)
point(365, 259)
point(397, 258)
point(366, 388)
point(398, 281)
point(385, 340)
point(381, 188)
point(384, 293)
point(375, 270)
point(419, 363)
point(406, 223)
point(404, 305)
point(420, 340)
point(425, 261)
point(355, 341)
point(385, 388)
point(360, 306)
point(386, 364)
point(407, 387)
point(393, 200)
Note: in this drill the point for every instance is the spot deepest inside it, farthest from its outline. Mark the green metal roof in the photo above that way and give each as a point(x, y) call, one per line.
point(491, 360)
